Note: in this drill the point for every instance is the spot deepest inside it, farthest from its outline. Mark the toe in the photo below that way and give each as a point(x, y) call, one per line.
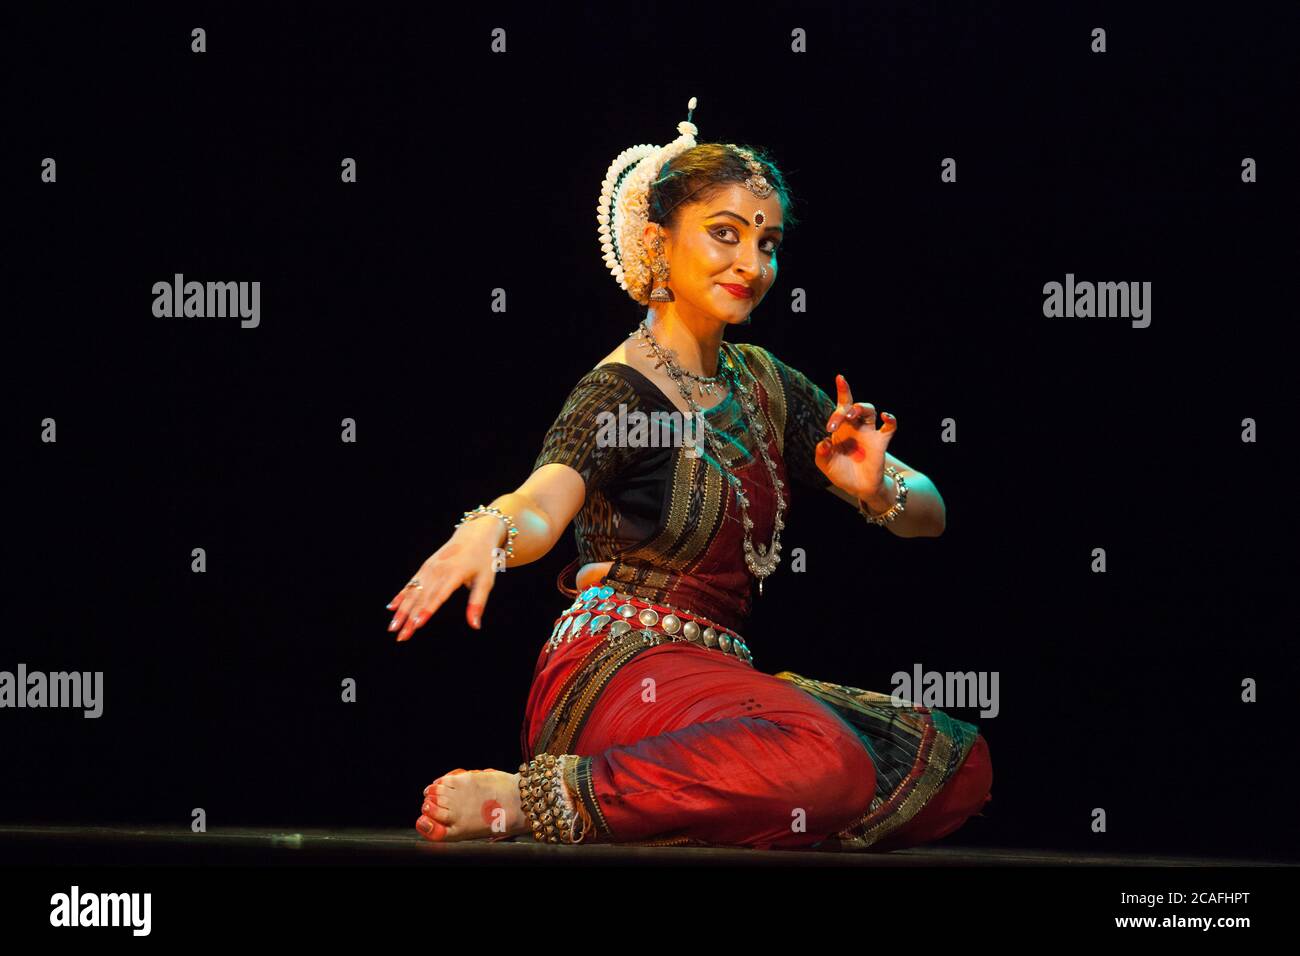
point(442, 778)
point(436, 813)
point(431, 830)
point(439, 796)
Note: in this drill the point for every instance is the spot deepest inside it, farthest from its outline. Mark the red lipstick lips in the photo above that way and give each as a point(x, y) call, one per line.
point(739, 291)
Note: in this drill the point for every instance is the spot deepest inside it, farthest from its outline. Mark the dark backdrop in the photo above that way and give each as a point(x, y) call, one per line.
point(479, 170)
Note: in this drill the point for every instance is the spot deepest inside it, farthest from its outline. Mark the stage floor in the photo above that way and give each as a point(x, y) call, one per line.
point(132, 845)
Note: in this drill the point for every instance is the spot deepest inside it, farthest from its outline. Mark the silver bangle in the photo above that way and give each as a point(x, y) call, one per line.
point(895, 509)
point(511, 530)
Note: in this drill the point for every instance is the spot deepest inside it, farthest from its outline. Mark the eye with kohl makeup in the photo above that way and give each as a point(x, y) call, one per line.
point(716, 233)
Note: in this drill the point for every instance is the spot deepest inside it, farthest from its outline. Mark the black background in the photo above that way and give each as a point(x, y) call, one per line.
point(478, 171)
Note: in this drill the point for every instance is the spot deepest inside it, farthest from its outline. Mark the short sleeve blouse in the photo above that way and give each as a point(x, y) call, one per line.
point(573, 439)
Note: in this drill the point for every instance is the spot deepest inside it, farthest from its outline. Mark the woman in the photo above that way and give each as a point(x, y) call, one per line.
point(647, 722)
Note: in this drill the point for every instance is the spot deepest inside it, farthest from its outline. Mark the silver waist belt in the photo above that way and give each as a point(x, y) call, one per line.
point(622, 617)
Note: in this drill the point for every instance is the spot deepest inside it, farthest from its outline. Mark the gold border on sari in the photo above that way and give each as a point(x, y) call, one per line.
point(933, 766)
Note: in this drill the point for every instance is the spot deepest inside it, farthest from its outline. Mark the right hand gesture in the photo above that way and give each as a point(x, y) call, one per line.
point(466, 558)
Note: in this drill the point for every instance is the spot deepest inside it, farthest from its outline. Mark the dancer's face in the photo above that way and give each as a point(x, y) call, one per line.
point(716, 244)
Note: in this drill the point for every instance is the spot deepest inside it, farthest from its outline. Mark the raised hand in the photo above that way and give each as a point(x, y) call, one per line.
point(852, 455)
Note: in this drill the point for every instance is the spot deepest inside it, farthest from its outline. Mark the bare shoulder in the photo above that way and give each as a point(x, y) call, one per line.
point(625, 354)
point(618, 355)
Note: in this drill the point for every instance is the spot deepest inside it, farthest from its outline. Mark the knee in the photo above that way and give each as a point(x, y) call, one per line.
point(838, 781)
point(825, 781)
point(857, 777)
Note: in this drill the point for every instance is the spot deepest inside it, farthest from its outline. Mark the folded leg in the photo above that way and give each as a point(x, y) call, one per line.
point(687, 743)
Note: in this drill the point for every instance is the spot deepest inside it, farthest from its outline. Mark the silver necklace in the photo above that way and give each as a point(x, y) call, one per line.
point(762, 562)
point(707, 384)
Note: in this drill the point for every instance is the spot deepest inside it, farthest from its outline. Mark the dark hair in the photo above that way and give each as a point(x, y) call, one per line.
point(710, 168)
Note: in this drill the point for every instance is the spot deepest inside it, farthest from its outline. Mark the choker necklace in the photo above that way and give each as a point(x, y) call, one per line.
point(762, 562)
point(668, 357)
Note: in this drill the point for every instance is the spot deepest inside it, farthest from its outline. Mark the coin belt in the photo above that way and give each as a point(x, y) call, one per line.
point(602, 611)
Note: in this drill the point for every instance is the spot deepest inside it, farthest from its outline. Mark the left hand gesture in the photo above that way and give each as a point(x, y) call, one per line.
point(852, 455)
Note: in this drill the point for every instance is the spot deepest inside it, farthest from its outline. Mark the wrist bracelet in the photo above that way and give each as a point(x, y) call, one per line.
point(895, 509)
point(511, 530)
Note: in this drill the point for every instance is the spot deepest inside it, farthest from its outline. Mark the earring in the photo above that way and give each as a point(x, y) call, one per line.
point(660, 268)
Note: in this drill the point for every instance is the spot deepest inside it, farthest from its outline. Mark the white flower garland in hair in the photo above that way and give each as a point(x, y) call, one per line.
point(624, 208)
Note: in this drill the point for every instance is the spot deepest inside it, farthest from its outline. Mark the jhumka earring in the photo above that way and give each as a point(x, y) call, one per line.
point(660, 269)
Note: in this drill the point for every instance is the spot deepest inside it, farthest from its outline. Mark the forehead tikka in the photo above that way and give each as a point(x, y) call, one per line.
point(757, 183)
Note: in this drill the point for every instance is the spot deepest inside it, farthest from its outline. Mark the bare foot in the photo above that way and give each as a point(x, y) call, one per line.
point(471, 804)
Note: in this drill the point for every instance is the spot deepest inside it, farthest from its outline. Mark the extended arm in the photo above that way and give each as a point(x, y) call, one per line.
point(542, 508)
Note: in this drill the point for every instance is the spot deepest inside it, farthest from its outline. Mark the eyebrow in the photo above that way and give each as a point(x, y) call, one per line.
point(728, 212)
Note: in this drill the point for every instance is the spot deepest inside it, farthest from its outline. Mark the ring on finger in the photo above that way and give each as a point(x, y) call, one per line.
point(415, 583)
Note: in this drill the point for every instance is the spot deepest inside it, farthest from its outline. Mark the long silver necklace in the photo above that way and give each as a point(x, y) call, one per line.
point(762, 562)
